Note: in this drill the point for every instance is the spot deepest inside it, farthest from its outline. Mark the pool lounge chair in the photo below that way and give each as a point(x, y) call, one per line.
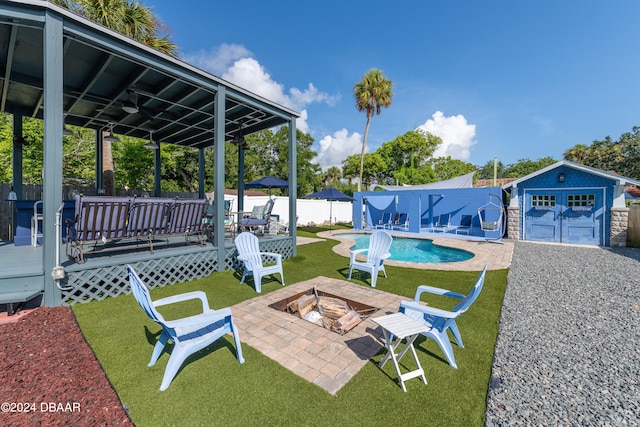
point(401, 222)
point(443, 223)
point(386, 221)
point(465, 224)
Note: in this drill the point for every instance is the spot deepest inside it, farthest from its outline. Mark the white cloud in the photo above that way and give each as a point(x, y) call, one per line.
point(456, 134)
point(218, 59)
point(236, 64)
point(334, 149)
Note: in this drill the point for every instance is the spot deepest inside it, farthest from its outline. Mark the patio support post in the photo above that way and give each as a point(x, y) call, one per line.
point(201, 173)
point(241, 178)
point(17, 157)
point(293, 182)
point(218, 174)
point(99, 182)
point(53, 123)
point(157, 172)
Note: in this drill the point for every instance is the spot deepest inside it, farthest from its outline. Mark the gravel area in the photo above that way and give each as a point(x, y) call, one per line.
point(568, 347)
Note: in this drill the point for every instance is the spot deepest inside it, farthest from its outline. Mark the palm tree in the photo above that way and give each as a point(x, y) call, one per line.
point(133, 20)
point(372, 93)
point(333, 174)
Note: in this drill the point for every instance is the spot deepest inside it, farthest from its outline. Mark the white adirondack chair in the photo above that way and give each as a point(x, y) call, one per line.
point(248, 247)
point(439, 320)
point(378, 251)
point(190, 334)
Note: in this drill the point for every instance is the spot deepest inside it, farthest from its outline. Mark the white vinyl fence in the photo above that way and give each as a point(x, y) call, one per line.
point(310, 211)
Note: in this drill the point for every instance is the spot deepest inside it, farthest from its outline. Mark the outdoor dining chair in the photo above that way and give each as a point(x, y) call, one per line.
point(260, 221)
point(190, 334)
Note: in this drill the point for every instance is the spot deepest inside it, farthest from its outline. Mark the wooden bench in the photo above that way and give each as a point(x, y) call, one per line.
point(19, 298)
point(102, 219)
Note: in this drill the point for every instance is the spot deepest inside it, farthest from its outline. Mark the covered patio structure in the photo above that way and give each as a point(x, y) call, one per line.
point(66, 70)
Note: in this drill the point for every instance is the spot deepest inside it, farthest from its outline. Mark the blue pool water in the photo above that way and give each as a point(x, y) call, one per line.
point(413, 250)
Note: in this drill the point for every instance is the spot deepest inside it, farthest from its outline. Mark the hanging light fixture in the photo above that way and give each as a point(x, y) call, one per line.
point(131, 104)
point(111, 137)
point(238, 138)
point(151, 145)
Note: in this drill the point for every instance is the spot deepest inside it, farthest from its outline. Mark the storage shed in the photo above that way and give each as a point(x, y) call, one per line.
point(569, 203)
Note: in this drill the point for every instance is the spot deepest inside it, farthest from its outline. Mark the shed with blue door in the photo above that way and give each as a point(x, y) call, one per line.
point(569, 203)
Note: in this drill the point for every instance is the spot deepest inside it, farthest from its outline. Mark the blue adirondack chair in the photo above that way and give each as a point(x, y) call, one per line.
point(190, 334)
point(248, 247)
point(440, 321)
point(378, 251)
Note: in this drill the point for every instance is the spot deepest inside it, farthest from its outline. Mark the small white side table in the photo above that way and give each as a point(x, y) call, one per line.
point(398, 327)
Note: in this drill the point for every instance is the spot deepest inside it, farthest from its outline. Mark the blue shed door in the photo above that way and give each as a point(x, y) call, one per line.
point(564, 216)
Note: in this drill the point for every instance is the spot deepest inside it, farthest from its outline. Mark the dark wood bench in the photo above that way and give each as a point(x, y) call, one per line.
point(102, 219)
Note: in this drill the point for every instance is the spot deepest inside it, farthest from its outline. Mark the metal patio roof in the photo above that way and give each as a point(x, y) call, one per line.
point(101, 67)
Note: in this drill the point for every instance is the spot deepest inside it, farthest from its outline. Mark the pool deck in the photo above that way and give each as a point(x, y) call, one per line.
point(497, 255)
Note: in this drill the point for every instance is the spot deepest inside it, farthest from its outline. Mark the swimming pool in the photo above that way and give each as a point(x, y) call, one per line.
point(412, 250)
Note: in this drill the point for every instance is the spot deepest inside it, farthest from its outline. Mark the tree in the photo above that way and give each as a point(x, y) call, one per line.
point(526, 166)
point(408, 158)
point(447, 168)
point(332, 176)
point(579, 153)
point(622, 156)
point(486, 171)
point(372, 93)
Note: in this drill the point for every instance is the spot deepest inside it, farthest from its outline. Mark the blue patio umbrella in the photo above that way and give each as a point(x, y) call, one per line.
point(330, 194)
point(268, 182)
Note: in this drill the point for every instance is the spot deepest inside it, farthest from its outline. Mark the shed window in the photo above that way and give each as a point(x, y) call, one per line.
point(546, 200)
point(575, 200)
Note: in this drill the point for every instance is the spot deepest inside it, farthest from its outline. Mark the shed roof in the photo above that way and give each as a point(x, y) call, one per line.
point(588, 169)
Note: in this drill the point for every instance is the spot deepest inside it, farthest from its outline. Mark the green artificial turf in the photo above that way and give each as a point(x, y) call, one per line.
point(212, 388)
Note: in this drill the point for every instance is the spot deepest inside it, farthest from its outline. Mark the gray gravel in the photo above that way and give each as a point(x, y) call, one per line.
point(568, 348)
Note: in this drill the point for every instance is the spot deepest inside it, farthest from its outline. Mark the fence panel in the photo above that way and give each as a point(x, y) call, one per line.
point(633, 233)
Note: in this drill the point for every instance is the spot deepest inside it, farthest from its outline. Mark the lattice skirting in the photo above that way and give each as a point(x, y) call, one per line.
point(110, 281)
point(98, 283)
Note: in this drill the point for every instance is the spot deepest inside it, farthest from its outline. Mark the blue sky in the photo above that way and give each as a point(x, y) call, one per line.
point(512, 79)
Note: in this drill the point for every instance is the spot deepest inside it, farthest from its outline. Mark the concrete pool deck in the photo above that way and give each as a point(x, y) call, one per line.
point(497, 255)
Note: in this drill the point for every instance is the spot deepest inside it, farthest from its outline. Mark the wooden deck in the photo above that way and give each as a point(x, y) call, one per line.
point(103, 274)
